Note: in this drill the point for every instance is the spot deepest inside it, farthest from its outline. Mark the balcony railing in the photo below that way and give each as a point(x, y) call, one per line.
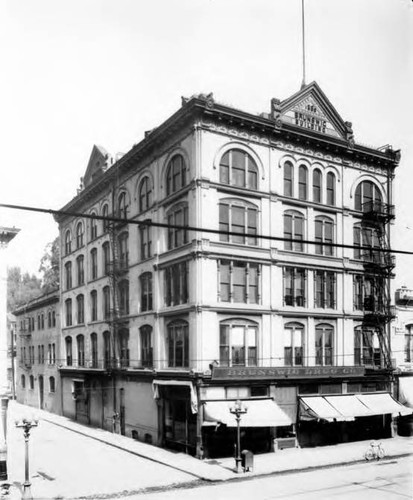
point(118, 266)
point(378, 258)
point(378, 209)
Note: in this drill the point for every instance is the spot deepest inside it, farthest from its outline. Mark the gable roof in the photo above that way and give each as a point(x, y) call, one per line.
point(310, 108)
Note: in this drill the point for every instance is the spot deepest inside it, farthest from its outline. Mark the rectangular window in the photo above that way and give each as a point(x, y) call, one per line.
point(176, 284)
point(238, 219)
point(324, 233)
point(146, 242)
point(238, 344)
point(177, 236)
point(293, 345)
point(294, 287)
point(408, 346)
point(94, 264)
point(239, 282)
point(324, 289)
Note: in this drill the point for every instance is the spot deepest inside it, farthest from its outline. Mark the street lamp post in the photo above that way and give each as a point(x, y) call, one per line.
point(27, 425)
point(238, 409)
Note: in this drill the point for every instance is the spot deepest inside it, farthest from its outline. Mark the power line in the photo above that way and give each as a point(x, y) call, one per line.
point(149, 222)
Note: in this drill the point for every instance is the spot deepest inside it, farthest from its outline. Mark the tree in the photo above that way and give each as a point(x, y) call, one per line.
point(21, 288)
point(49, 266)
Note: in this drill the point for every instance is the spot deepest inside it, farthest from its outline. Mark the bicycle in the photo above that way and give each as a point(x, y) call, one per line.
point(375, 451)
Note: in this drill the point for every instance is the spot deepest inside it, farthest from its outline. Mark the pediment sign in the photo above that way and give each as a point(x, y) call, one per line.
point(97, 165)
point(310, 109)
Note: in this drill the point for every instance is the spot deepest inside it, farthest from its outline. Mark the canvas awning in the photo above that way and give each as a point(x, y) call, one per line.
point(344, 407)
point(318, 408)
point(186, 383)
point(260, 413)
point(406, 391)
point(383, 403)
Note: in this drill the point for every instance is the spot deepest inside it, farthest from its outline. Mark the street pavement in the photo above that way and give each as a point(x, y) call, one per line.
point(70, 460)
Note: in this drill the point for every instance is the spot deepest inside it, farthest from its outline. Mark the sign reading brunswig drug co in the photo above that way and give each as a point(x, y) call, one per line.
point(220, 373)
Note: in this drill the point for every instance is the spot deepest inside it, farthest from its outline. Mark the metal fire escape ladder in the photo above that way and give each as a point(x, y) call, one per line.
point(378, 267)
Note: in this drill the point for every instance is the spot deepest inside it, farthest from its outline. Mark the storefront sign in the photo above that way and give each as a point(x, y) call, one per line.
point(241, 373)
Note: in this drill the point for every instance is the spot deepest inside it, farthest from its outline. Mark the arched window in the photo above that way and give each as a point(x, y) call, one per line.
point(288, 179)
point(69, 353)
point(317, 186)
point(366, 347)
point(80, 309)
point(145, 194)
point(123, 246)
point(331, 189)
point(49, 319)
point(106, 257)
point(94, 263)
point(293, 344)
point(324, 233)
point(68, 307)
point(23, 381)
point(79, 235)
point(177, 216)
point(93, 227)
point(302, 182)
point(52, 384)
point(146, 291)
point(238, 343)
point(239, 217)
point(68, 242)
point(124, 348)
point(80, 264)
point(238, 168)
point(94, 349)
point(324, 343)
point(293, 230)
point(123, 288)
point(80, 341)
point(31, 382)
point(68, 275)
point(107, 351)
point(145, 333)
point(122, 206)
point(93, 305)
point(106, 302)
point(178, 344)
point(367, 196)
point(175, 175)
point(105, 214)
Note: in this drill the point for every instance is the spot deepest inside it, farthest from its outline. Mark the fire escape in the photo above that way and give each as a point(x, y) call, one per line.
point(378, 271)
point(117, 271)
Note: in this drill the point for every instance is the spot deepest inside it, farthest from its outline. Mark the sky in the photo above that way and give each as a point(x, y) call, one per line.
point(82, 72)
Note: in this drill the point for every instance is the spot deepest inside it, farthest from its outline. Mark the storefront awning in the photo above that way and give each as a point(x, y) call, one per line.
point(260, 413)
point(317, 408)
point(348, 406)
point(380, 404)
point(406, 391)
point(185, 383)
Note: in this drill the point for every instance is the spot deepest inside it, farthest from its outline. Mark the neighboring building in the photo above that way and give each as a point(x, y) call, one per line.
point(37, 348)
point(164, 328)
point(11, 353)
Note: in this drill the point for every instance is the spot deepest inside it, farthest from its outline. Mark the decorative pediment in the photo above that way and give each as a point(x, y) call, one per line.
point(310, 109)
point(99, 161)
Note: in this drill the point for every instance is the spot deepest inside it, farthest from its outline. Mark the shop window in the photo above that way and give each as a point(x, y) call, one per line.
point(324, 289)
point(176, 284)
point(293, 230)
point(353, 387)
point(367, 196)
point(330, 389)
point(308, 389)
point(178, 344)
point(238, 343)
point(175, 175)
point(259, 391)
point(177, 236)
point(317, 185)
point(145, 333)
point(237, 393)
point(324, 233)
point(239, 281)
point(294, 286)
point(145, 194)
point(238, 217)
point(237, 168)
point(288, 179)
point(324, 345)
point(293, 344)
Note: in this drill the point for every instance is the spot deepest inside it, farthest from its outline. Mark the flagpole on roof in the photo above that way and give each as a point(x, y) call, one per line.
point(303, 40)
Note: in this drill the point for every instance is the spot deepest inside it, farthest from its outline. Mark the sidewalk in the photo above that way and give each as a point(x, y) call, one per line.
point(223, 469)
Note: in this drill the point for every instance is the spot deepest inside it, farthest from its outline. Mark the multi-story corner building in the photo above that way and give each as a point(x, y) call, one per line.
point(214, 262)
point(37, 349)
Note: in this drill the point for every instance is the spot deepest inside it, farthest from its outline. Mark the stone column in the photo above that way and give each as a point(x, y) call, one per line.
point(6, 235)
